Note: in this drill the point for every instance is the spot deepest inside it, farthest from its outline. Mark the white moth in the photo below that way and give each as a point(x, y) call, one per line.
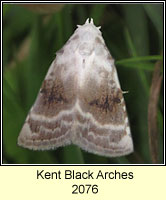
point(80, 100)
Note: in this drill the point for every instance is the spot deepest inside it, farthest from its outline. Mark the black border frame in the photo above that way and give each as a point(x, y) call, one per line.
point(82, 2)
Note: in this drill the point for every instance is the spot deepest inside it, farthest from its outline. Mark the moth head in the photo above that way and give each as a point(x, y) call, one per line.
point(88, 33)
point(88, 27)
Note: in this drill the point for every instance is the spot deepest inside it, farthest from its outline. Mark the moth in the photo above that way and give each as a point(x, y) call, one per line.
point(80, 101)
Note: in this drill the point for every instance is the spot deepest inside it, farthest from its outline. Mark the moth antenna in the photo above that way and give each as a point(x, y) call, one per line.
point(87, 21)
point(99, 27)
point(91, 21)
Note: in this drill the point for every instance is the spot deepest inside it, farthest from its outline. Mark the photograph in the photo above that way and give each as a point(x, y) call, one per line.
point(83, 84)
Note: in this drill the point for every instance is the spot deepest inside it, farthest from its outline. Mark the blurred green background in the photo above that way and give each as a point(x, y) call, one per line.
point(31, 36)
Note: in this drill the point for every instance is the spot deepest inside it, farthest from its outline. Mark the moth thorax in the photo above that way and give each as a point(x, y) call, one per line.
point(86, 49)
